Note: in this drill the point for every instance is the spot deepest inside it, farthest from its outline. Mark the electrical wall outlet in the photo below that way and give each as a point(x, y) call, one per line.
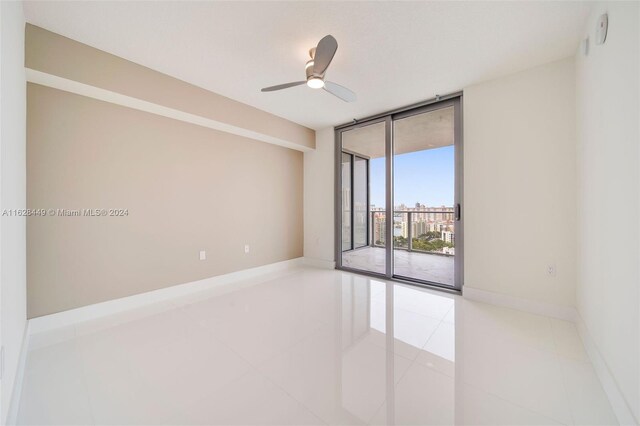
point(203, 255)
point(246, 248)
point(551, 270)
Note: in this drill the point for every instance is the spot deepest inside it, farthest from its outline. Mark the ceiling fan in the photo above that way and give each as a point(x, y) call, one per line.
point(316, 69)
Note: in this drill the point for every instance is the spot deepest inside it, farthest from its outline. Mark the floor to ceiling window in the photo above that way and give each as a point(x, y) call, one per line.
point(401, 189)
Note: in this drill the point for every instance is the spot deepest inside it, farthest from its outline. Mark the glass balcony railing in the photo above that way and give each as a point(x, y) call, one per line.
point(431, 231)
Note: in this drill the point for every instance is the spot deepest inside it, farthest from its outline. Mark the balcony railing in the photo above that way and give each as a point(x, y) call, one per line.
point(428, 241)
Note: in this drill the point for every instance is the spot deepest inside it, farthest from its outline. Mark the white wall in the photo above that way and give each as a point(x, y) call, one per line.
point(608, 194)
point(519, 184)
point(12, 192)
point(318, 198)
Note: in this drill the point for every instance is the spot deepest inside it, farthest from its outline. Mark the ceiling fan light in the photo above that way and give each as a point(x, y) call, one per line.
point(315, 83)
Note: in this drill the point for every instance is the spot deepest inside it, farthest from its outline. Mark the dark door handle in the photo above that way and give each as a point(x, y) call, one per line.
point(458, 212)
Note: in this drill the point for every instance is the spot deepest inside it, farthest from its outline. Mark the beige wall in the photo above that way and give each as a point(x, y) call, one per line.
point(187, 188)
point(608, 116)
point(59, 56)
point(319, 198)
point(519, 184)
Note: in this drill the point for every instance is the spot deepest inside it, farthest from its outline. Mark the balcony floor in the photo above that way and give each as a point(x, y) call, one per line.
point(423, 266)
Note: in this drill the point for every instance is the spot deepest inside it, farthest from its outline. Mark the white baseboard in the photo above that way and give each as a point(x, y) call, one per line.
point(566, 313)
point(319, 263)
point(616, 398)
point(103, 309)
point(16, 393)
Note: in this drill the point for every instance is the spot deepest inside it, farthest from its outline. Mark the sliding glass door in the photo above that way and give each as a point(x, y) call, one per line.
point(424, 195)
point(408, 163)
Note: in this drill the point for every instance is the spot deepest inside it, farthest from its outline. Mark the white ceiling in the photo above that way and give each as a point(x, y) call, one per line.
point(390, 53)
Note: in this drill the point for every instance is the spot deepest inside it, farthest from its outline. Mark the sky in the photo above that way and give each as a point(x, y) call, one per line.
point(425, 177)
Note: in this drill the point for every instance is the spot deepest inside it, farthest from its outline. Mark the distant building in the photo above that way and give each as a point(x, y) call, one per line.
point(448, 237)
point(419, 228)
point(379, 231)
point(404, 229)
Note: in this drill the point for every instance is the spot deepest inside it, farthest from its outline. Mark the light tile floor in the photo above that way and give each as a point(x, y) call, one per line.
point(314, 347)
point(423, 266)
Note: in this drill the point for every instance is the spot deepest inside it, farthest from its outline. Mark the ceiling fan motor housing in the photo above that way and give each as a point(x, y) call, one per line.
point(308, 68)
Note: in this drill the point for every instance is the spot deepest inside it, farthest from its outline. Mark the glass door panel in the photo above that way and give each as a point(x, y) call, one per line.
point(364, 192)
point(346, 201)
point(360, 208)
point(424, 196)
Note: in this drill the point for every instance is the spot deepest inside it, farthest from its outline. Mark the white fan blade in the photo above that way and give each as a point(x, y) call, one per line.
point(340, 91)
point(283, 86)
point(325, 51)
